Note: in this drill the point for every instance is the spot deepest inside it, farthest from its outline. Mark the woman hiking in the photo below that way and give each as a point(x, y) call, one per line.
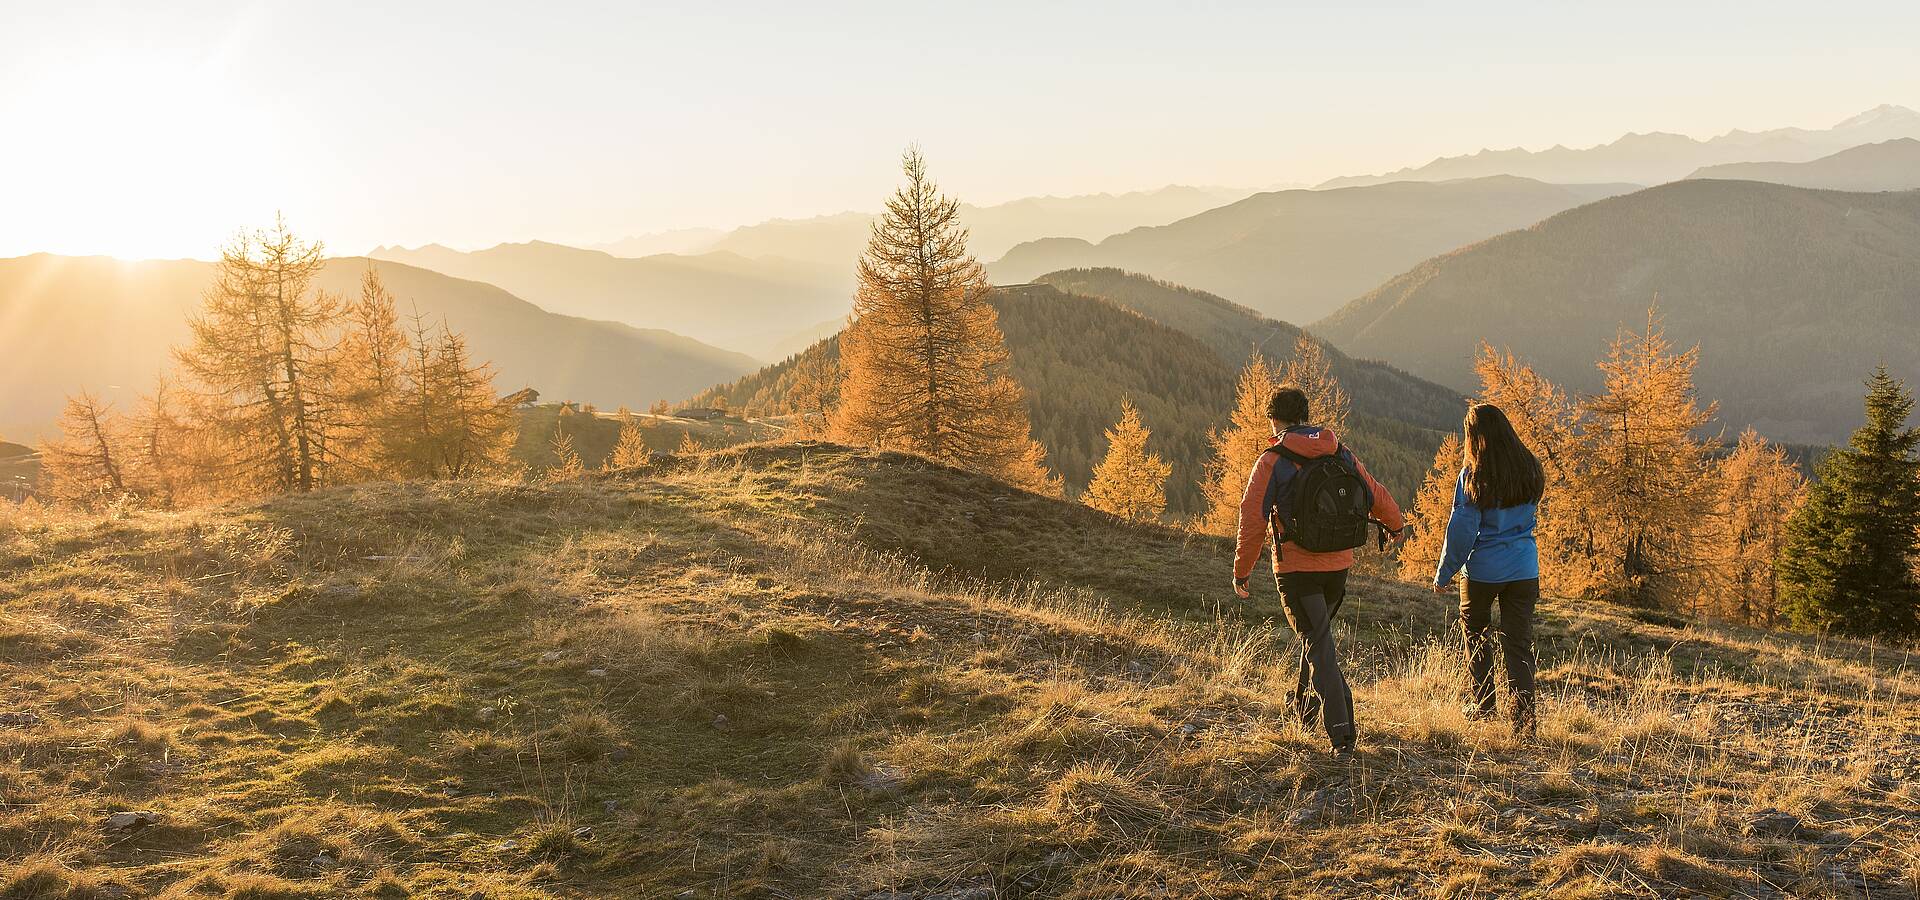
point(1490, 535)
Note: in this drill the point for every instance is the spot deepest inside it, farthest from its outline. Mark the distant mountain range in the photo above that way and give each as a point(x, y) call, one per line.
point(107, 325)
point(1887, 166)
point(678, 240)
point(768, 289)
point(836, 240)
point(722, 298)
point(1297, 255)
point(1658, 157)
point(1792, 294)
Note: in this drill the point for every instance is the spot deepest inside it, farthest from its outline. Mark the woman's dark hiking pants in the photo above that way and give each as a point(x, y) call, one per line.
point(1312, 600)
point(1516, 600)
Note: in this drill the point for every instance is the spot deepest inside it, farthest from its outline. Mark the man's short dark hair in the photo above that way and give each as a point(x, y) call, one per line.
point(1289, 404)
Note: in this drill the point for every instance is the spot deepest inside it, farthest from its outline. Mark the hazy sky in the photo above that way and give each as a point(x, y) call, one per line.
point(156, 129)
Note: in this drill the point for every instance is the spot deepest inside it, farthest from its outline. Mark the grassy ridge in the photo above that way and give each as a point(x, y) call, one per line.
point(800, 670)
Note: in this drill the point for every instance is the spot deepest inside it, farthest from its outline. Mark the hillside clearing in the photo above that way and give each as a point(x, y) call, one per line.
point(798, 670)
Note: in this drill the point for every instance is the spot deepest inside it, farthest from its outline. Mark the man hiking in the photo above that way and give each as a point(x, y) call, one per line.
point(1318, 502)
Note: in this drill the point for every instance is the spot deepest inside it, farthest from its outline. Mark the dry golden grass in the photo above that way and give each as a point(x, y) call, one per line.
point(800, 671)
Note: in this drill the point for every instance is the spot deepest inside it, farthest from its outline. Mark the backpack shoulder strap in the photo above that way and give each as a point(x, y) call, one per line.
point(1289, 455)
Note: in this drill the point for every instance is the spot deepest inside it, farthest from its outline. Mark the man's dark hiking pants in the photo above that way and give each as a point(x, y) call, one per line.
point(1312, 600)
point(1516, 600)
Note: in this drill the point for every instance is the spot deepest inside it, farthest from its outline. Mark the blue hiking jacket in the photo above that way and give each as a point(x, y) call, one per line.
point(1493, 545)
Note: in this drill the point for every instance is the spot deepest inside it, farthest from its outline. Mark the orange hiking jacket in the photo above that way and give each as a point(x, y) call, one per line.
point(1307, 441)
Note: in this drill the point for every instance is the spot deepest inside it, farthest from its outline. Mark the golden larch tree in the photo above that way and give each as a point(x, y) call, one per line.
point(1645, 477)
point(630, 450)
point(166, 449)
point(1248, 433)
point(1549, 424)
point(816, 388)
point(1311, 372)
point(475, 429)
point(87, 465)
point(925, 365)
point(1131, 481)
point(1759, 489)
point(1432, 507)
point(566, 460)
point(260, 357)
point(369, 368)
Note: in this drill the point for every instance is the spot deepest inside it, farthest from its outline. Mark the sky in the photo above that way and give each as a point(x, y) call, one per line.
point(159, 129)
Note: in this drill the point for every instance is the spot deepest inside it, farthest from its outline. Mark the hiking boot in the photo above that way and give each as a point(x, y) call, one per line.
point(1345, 751)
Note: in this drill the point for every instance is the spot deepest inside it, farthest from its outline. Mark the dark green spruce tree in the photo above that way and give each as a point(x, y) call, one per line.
point(1848, 562)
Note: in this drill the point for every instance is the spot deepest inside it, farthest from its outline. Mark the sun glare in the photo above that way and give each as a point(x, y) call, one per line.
point(134, 156)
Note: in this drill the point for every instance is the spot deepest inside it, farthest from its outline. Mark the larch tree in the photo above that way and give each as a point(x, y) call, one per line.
point(1646, 478)
point(474, 429)
point(566, 460)
point(1235, 448)
point(1311, 372)
point(630, 450)
point(924, 360)
point(816, 388)
point(371, 363)
point(1849, 560)
point(1759, 488)
point(165, 448)
point(87, 465)
point(1131, 481)
point(1549, 424)
point(1432, 506)
point(260, 357)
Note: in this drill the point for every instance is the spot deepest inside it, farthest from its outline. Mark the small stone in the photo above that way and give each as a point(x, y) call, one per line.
point(550, 656)
point(322, 861)
point(980, 638)
point(597, 673)
point(722, 723)
point(131, 820)
point(507, 846)
point(18, 719)
point(610, 806)
point(684, 895)
point(583, 833)
point(620, 754)
point(1772, 823)
point(1136, 667)
point(486, 713)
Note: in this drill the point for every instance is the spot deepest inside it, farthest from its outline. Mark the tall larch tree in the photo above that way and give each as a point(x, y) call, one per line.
point(260, 358)
point(474, 428)
point(1311, 372)
point(87, 465)
point(1432, 506)
point(1759, 490)
point(1646, 477)
point(1848, 563)
point(165, 449)
point(371, 363)
point(925, 364)
point(1235, 447)
point(1131, 481)
point(816, 388)
point(1549, 424)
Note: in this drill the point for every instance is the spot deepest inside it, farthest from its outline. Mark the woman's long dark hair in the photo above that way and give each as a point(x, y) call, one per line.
point(1502, 472)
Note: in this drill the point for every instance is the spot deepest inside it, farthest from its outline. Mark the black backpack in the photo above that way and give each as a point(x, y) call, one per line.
point(1325, 507)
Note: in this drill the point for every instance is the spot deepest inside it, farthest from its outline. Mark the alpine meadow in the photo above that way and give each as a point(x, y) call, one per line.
point(1000, 453)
